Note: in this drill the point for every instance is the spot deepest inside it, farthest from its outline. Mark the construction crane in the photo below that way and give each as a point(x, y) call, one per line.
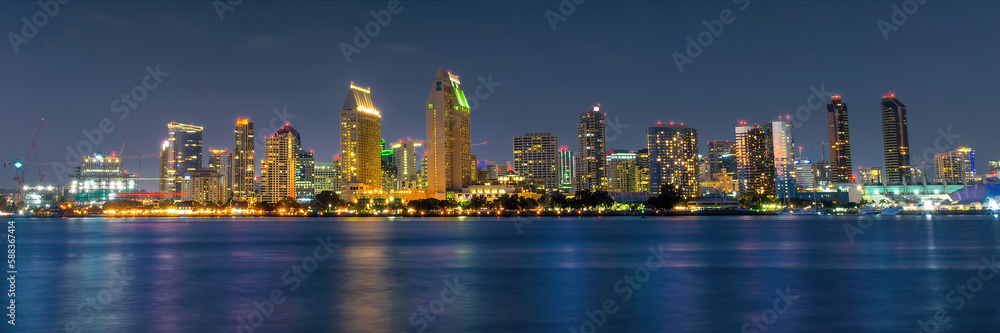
point(478, 144)
point(19, 170)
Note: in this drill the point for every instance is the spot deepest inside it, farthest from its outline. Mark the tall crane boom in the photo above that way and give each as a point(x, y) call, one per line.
point(19, 172)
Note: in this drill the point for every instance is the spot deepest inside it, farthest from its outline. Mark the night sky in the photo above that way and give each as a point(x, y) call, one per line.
point(942, 63)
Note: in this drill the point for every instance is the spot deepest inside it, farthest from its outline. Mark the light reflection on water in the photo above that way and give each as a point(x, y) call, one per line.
point(199, 275)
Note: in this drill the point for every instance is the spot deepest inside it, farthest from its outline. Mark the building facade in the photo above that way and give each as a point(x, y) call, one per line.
point(621, 171)
point(278, 166)
point(100, 178)
point(203, 186)
point(183, 154)
point(956, 166)
point(721, 158)
point(591, 151)
point(567, 165)
point(244, 165)
point(360, 139)
point(536, 156)
point(407, 162)
point(221, 161)
point(766, 159)
point(895, 141)
point(326, 178)
point(305, 168)
point(840, 140)
point(673, 158)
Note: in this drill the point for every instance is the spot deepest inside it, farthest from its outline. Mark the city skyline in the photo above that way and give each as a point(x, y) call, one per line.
point(310, 100)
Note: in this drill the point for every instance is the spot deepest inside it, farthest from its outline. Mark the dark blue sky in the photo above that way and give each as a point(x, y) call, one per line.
point(941, 63)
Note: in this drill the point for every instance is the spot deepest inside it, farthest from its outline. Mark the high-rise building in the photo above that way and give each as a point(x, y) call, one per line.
point(620, 167)
point(840, 140)
point(590, 156)
point(721, 158)
point(278, 166)
point(995, 167)
point(165, 186)
point(566, 168)
point(955, 166)
point(326, 178)
point(766, 159)
point(183, 153)
point(221, 162)
point(100, 178)
point(870, 176)
point(673, 158)
point(360, 139)
point(823, 174)
point(203, 186)
point(642, 170)
point(449, 136)
point(244, 165)
point(536, 156)
point(805, 174)
point(407, 162)
point(305, 168)
point(895, 140)
point(390, 174)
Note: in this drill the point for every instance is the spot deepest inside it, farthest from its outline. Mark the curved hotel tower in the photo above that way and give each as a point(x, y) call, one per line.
point(449, 137)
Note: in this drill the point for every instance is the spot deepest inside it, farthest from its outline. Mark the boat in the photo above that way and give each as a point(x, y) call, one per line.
point(868, 210)
point(810, 211)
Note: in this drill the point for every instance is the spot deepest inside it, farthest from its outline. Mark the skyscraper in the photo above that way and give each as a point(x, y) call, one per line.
point(566, 168)
point(642, 170)
point(183, 153)
point(305, 167)
point(165, 167)
point(278, 166)
point(955, 166)
point(590, 157)
point(766, 159)
point(895, 140)
point(360, 139)
point(673, 158)
point(840, 140)
point(407, 165)
point(722, 158)
point(390, 174)
point(449, 136)
point(536, 156)
point(221, 162)
point(244, 165)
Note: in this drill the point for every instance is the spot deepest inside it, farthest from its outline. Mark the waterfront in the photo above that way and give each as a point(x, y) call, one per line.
point(528, 274)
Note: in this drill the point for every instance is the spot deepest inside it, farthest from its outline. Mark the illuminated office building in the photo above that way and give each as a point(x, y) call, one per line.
point(591, 155)
point(99, 179)
point(183, 154)
point(221, 161)
point(766, 159)
point(620, 167)
point(567, 164)
point(536, 156)
point(840, 140)
point(278, 166)
point(673, 158)
point(244, 165)
point(895, 141)
point(955, 166)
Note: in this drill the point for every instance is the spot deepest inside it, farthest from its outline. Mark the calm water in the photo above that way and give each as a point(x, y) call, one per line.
point(205, 275)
